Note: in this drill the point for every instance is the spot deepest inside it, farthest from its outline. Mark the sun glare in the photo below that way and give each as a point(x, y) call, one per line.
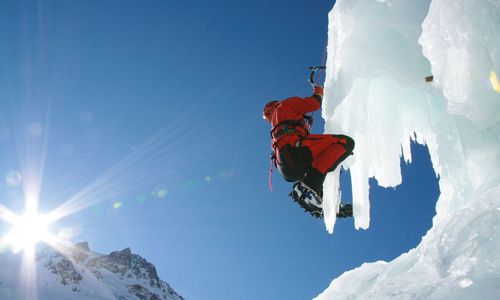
point(27, 231)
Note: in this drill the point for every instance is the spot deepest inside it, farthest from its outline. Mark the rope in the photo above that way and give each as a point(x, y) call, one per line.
point(271, 168)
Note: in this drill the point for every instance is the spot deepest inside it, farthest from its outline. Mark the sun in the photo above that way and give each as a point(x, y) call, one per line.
point(27, 230)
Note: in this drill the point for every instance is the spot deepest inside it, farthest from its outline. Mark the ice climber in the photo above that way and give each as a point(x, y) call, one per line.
point(302, 157)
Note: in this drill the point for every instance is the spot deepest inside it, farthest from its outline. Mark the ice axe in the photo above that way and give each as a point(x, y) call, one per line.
point(310, 119)
point(313, 72)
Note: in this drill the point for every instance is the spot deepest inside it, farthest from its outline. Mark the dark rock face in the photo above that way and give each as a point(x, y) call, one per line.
point(118, 262)
point(83, 246)
point(127, 265)
point(145, 270)
point(123, 258)
point(80, 252)
point(65, 270)
point(142, 293)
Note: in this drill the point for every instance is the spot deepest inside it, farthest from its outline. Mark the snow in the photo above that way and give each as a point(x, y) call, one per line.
point(80, 274)
point(379, 53)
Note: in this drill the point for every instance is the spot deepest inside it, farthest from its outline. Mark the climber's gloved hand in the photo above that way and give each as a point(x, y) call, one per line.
point(318, 90)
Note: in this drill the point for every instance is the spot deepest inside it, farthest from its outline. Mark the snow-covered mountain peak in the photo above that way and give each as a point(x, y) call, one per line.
point(76, 272)
point(83, 246)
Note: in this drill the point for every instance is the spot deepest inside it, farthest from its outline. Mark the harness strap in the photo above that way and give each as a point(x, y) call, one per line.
point(290, 127)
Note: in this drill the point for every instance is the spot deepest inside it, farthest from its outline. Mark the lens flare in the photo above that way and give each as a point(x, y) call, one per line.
point(160, 191)
point(495, 83)
point(191, 183)
point(13, 178)
point(141, 199)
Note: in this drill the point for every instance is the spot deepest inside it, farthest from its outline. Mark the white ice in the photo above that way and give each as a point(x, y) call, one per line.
point(379, 53)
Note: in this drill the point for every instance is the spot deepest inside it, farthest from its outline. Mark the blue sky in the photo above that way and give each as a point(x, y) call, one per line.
point(155, 108)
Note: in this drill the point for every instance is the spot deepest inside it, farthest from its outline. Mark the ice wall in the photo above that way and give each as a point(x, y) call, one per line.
point(378, 55)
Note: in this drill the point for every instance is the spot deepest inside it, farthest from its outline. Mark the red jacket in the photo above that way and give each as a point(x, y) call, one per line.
point(293, 109)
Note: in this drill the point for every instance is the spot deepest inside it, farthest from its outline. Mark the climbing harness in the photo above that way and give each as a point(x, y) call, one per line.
point(287, 127)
